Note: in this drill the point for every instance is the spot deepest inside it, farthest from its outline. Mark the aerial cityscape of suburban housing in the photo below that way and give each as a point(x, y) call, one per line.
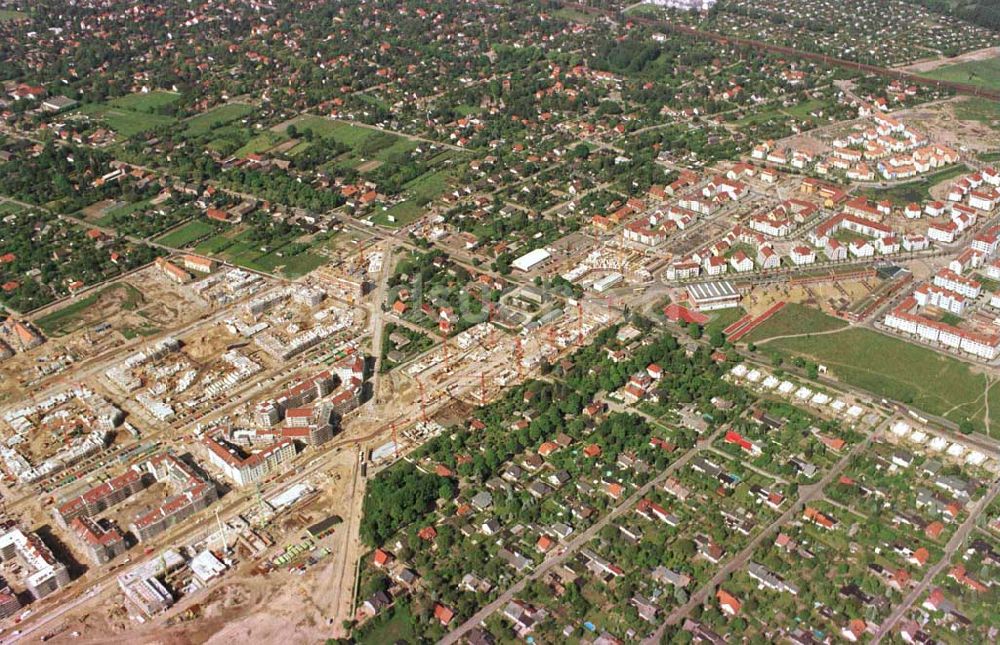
point(499, 321)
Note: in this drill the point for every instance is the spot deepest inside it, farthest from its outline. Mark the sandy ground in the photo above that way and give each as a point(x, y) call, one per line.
point(287, 615)
point(938, 121)
point(828, 296)
point(934, 63)
point(807, 143)
point(246, 607)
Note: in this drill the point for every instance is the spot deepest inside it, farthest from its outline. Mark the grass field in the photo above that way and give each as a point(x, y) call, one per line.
point(125, 209)
point(9, 208)
point(186, 235)
point(233, 246)
point(63, 321)
point(896, 369)
point(395, 627)
point(994, 399)
point(421, 190)
point(126, 122)
point(260, 143)
point(400, 214)
point(573, 15)
point(982, 73)
point(365, 143)
point(915, 191)
point(145, 329)
point(350, 135)
point(369, 149)
point(978, 109)
point(149, 102)
point(804, 109)
point(204, 123)
point(216, 244)
point(291, 267)
point(793, 319)
point(7, 14)
point(765, 114)
point(722, 319)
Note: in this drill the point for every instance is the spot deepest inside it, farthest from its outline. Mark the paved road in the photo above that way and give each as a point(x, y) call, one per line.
point(954, 544)
point(561, 555)
point(342, 582)
point(63, 608)
point(807, 494)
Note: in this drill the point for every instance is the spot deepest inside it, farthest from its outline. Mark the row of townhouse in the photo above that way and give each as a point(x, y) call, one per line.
point(934, 208)
point(686, 179)
point(646, 231)
point(960, 219)
point(903, 318)
point(794, 157)
point(930, 295)
point(743, 170)
point(652, 229)
point(969, 259)
point(884, 240)
point(619, 215)
point(246, 469)
point(863, 207)
point(194, 494)
point(861, 225)
point(967, 287)
point(919, 161)
point(951, 291)
point(985, 179)
point(714, 263)
point(784, 218)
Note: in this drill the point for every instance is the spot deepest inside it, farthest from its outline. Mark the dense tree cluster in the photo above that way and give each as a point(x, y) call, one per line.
point(399, 496)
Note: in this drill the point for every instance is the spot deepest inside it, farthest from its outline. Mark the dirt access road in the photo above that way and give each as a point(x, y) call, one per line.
point(934, 63)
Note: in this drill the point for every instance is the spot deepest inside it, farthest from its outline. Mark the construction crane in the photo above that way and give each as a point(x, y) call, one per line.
point(395, 440)
point(579, 331)
point(482, 386)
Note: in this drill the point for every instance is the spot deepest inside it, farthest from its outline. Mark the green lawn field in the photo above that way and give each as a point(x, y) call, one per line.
point(793, 319)
point(186, 235)
point(722, 319)
point(65, 320)
point(982, 73)
point(126, 122)
point(978, 109)
point(896, 369)
point(148, 102)
point(423, 189)
point(394, 626)
point(108, 218)
point(350, 135)
point(9, 208)
point(260, 143)
point(204, 123)
point(915, 191)
point(233, 246)
point(367, 143)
